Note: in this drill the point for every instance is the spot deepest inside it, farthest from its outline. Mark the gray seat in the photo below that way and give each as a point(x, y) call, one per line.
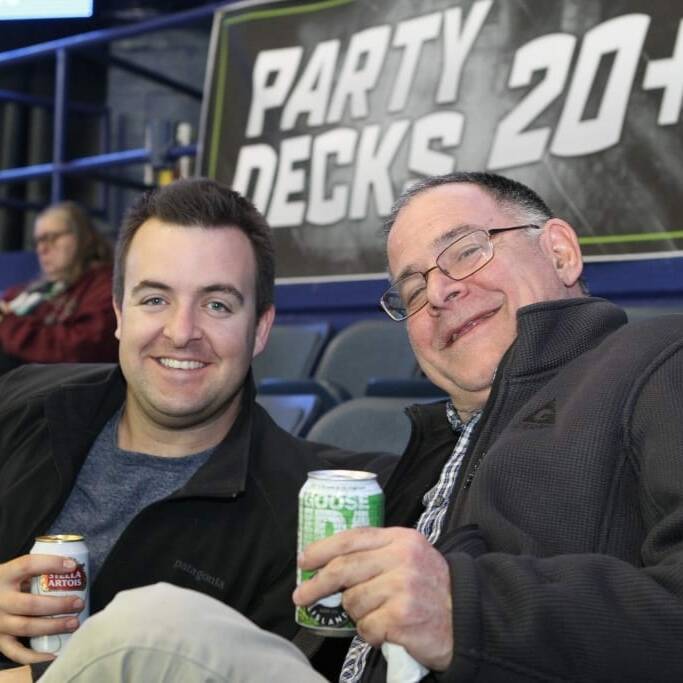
point(293, 412)
point(360, 352)
point(364, 350)
point(635, 313)
point(369, 423)
point(292, 351)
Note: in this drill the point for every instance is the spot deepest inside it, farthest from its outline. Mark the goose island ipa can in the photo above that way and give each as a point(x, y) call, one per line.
point(74, 584)
point(329, 502)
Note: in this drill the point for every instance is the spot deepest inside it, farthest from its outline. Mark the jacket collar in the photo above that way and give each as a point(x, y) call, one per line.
point(224, 475)
point(552, 333)
point(77, 411)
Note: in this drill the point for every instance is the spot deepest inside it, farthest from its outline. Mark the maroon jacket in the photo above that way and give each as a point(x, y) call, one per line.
point(75, 326)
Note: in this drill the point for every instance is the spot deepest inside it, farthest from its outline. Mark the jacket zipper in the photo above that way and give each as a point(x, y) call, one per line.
point(477, 451)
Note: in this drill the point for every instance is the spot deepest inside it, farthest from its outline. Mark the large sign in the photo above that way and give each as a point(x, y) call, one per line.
point(322, 112)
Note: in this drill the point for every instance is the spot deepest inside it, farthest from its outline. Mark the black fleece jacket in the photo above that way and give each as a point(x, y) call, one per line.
point(565, 531)
point(230, 532)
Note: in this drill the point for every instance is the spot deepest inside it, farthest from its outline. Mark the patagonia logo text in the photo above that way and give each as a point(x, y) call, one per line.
point(199, 575)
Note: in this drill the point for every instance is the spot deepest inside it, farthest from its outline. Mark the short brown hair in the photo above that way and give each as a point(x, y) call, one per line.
point(201, 203)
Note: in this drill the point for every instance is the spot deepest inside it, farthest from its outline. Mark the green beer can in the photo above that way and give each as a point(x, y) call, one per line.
point(329, 502)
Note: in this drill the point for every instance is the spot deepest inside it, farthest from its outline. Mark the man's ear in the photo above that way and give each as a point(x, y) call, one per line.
point(561, 245)
point(117, 313)
point(263, 327)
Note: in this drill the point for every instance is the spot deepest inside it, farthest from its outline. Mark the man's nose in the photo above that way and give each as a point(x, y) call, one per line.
point(441, 289)
point(182, 325)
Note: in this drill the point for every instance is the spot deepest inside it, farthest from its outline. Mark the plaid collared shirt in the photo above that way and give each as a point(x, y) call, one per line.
point(436, 502)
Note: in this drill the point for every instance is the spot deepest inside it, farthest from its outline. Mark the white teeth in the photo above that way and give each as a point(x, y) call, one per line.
point(469, 326)
point(181, 364)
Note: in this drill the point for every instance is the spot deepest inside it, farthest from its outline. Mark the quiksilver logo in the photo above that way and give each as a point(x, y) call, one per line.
point(543, 416)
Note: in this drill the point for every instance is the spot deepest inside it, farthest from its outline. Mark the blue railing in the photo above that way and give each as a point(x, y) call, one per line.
point(60, 166)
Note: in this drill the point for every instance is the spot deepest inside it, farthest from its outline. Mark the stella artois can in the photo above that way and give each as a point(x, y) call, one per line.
point(329, 502)
point(73, 584)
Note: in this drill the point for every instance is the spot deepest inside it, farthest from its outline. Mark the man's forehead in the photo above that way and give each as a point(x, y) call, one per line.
point(156, 234)
point(189, 258)
point(155, 224)
point(450, 235)
point(403, 262)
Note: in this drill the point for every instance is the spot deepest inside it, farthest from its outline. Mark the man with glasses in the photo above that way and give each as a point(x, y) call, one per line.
point(546, 495)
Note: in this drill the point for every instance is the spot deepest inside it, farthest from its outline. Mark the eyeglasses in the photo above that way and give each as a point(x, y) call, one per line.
point(458, 260)
point(49, 238)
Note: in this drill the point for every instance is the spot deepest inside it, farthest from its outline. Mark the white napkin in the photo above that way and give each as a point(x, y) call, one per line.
point(401, 667)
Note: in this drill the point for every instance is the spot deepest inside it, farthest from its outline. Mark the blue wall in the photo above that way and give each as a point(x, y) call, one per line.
point(650, 282)
point(17, 267)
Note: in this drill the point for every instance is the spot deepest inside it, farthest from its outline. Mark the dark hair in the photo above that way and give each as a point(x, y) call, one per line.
point(201, 203)
point(91, 246)
point(509, 194)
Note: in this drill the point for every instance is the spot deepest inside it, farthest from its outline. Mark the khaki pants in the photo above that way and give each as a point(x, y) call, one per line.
point(170, 634)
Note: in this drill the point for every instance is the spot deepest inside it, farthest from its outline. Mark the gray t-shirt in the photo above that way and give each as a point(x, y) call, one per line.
point(115, 485)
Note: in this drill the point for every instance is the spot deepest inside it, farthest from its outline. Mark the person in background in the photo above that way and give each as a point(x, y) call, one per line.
point(65, 315)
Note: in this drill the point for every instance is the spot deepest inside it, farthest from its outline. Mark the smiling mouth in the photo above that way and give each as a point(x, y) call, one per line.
point(470, 325)
point(175, 364)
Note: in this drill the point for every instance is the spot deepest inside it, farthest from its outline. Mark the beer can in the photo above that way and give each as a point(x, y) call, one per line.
point(73, 584)
point(329, 502)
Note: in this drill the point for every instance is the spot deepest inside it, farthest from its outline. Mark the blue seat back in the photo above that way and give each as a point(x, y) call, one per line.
point(295, 413)
point(292, 351)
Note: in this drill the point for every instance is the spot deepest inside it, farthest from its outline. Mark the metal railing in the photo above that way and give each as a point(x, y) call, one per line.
point(60, 166)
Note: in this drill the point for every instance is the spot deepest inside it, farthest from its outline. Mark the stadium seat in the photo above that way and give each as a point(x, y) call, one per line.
point(293, 412)
point(369, 423)
point(635, 313)
point(292, 351)
point(418, 387)
point(365, 349)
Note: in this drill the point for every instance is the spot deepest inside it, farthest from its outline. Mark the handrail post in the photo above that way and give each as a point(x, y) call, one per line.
point(60, 129)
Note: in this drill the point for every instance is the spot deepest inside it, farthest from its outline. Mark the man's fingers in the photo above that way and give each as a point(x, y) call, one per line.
point(340, 573)
point(373, 629)
point(14, 650)
point(27, 627)
point(350, 541)
point(369, 553)
point(369, 596)
point(16, 571)
point(27, 604)
point(17, 674)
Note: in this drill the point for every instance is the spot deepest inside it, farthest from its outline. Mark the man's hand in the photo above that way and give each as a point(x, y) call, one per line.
point(4, 309)
point(24, 615)
point(396, 588)
point(20, 674)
